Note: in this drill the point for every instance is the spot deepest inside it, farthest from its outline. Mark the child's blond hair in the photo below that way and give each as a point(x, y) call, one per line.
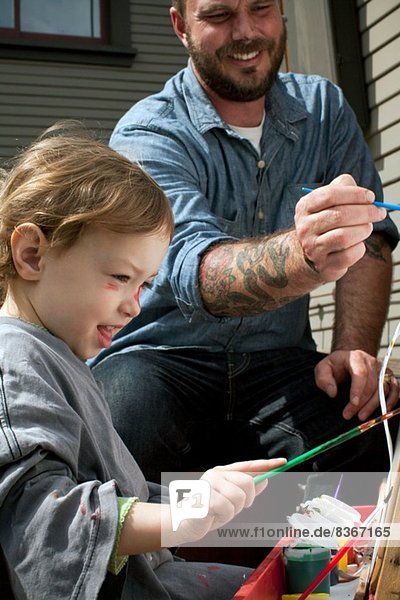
point(67, 180)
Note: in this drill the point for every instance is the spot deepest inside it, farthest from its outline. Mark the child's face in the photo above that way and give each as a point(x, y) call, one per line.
point(87, 293)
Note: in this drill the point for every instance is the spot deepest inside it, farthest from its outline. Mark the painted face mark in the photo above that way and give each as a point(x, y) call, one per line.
point(112, 286)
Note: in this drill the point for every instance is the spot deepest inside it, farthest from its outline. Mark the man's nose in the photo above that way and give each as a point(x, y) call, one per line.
point(243, 27)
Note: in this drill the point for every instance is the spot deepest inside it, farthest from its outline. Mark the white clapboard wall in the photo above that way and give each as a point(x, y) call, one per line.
point(34, 94)
point(380, 38)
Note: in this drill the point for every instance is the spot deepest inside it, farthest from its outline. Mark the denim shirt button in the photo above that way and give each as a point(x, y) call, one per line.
point(260, 214)
point(261, 164)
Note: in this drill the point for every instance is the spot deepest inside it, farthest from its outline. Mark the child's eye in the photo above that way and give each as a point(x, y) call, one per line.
point(122, 278)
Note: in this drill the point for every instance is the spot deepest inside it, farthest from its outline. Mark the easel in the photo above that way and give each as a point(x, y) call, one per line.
point(385, 580)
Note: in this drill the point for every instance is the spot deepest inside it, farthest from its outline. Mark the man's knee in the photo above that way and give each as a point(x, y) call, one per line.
point(136, 391)
point(125, 376)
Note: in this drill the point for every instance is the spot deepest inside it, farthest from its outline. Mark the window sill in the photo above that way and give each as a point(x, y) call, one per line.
point(115, 56)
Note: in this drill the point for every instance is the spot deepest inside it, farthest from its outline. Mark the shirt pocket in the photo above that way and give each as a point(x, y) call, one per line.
point(232, 227)
point(290, 197)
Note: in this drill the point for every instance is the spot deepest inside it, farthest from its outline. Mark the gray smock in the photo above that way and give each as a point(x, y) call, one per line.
point(62, 467)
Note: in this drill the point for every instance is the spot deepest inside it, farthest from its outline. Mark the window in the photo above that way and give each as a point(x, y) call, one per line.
point(61, 18)
point(94, 31)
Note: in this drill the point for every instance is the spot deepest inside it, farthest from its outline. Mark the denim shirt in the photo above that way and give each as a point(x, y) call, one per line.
point(221, 188)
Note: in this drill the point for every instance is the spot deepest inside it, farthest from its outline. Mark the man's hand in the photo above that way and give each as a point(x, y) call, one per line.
point(332, 223)
point(363, 370)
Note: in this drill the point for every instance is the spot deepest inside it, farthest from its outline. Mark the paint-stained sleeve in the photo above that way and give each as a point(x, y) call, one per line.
point(62, 533)
point(58, 503)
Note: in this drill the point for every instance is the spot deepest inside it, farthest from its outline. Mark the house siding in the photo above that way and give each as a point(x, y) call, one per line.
point(380, 39)
point(380, 36)
point(34, 94)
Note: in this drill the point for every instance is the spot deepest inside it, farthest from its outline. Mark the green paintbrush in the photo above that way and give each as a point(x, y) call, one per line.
point(343, 437)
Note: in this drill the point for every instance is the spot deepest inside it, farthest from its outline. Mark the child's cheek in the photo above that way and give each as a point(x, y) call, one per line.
point(112, 286)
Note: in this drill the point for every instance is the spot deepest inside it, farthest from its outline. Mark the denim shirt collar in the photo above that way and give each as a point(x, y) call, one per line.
point(281, 109)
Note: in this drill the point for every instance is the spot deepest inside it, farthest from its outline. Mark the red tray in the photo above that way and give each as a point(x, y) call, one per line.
point(268, 580)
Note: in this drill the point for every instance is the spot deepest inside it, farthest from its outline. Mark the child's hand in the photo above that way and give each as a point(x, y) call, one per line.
point(232, 489)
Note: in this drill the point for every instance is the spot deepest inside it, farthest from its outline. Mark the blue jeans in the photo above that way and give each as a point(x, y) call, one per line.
point(184, 410)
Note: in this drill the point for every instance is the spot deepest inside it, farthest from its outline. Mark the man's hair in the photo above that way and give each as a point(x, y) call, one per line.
point(67, 180)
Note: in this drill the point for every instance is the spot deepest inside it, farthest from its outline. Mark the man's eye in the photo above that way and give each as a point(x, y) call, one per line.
point(122, 278)
point(217, 17)
point(262, 7)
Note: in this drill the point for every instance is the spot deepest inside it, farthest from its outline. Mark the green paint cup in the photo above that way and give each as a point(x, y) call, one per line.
point(302, 565)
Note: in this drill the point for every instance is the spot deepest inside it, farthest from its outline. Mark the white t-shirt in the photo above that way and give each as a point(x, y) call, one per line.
point(253, 134)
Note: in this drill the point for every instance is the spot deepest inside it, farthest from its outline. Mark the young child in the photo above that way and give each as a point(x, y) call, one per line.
point(82, 230)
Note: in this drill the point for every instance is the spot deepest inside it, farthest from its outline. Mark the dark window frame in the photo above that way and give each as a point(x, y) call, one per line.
point(349, 58)
point(116, 52)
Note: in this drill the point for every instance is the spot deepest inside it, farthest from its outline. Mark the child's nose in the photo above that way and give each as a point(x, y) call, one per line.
point(131, 305)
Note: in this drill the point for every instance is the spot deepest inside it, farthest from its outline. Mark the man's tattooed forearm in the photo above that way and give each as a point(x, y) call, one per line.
point(234, 282)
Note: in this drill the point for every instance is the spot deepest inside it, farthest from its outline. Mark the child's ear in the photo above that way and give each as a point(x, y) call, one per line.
point(27, 245)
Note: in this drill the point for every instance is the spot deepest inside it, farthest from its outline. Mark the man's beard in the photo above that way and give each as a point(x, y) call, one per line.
point(208, 67)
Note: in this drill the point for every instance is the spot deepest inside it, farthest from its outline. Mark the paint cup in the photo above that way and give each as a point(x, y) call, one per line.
point(302, 565)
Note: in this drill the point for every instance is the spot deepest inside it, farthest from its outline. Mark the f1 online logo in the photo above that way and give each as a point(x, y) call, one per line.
point(189, 499)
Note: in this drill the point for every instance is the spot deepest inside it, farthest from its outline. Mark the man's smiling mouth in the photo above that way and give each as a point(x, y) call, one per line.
point(247, 56)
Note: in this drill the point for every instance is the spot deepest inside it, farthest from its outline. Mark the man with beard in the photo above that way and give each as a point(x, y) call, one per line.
point(221, 364)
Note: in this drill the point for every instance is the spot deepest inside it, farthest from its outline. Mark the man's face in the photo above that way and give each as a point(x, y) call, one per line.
point(236, 46)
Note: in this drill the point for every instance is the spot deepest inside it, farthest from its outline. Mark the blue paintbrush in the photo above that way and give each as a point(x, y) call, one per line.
point(386, 205)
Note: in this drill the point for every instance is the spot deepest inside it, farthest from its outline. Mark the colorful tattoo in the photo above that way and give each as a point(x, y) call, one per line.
point(237, 282)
